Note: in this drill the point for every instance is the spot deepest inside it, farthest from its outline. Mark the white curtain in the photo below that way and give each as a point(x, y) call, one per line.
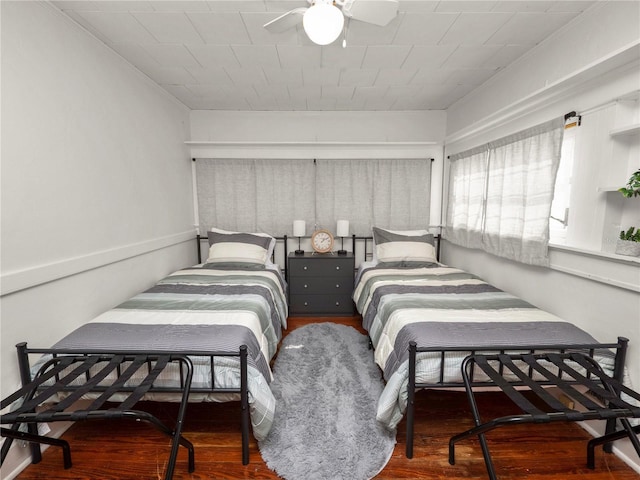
point(389, 193)
point(520, 178)
point(260, 195)
point(465, 208)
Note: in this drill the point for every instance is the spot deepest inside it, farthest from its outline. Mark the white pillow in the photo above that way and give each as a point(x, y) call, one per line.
point(403, 245)
point(238, 247)
point(270, 249)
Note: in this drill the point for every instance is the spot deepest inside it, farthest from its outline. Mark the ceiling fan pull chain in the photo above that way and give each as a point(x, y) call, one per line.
point(346, 29)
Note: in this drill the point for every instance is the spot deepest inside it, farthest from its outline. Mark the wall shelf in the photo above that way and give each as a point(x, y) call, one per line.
point(626, 131)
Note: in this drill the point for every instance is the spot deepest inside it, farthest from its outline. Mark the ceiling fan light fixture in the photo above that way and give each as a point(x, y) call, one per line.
point(323, 22)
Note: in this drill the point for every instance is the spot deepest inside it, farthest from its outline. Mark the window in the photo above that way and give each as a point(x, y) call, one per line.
point(517, 173)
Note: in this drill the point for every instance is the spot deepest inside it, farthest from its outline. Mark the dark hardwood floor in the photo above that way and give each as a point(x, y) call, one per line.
point(132, 450)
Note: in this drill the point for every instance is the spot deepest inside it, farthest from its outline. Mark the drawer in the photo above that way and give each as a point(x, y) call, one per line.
point(316, 304)
point(321, 285)
point(322, 266)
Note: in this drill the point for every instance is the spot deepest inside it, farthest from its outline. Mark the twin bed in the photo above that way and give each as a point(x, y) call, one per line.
point(226, 314)
point(237, 299)
point(424, 318)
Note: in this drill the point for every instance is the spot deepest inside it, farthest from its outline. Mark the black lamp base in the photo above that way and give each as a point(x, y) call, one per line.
point(342, 252)
point(299, 252)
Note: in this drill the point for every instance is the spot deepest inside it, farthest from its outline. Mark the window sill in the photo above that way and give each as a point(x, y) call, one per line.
point(617, 270)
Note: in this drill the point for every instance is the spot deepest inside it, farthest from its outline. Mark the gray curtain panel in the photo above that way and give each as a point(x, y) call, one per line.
point(264, 195)
point(388, 193)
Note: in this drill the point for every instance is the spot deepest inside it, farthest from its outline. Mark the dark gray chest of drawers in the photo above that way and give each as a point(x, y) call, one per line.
point(321, 284)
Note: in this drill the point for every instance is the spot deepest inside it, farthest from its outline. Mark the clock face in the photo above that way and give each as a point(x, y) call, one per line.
point(322, 241)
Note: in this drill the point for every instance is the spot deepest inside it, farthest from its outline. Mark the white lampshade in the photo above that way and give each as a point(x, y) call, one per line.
point(342, 229)
point(298, 228)
point(323, 22)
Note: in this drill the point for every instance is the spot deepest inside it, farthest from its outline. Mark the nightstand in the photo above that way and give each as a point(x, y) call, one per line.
point(321, 284)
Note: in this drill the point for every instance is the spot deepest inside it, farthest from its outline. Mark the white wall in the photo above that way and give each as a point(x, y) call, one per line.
point(592, 61)
point(96, 180)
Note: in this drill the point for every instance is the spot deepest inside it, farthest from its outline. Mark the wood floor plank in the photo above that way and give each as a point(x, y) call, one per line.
point(126, 450)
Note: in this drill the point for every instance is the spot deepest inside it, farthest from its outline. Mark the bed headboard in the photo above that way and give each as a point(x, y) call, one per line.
point(362, 248)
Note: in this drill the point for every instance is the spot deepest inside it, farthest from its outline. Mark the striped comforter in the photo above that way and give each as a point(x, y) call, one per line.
point(206, 308)
point(439, 306)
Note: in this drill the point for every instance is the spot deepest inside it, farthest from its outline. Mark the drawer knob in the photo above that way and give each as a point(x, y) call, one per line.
point(337, 268)
point(306, 304)
point(305, 285)
point(337, 285)
point(304, 268)
point(337, 304)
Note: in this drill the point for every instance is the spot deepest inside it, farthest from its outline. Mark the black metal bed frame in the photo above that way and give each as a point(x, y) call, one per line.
point(590, 350)
point(24, 365)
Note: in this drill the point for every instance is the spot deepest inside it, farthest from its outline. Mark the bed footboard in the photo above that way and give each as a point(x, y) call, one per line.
point(619, 349)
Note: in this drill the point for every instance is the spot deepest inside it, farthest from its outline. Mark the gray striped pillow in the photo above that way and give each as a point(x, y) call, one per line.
point(238, 247)
point(400, 246)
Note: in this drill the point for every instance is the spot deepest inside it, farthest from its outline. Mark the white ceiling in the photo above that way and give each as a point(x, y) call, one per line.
point(216, 55)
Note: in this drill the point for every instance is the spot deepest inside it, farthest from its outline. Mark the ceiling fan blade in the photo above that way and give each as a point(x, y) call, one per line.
point(286, 21)
point(377, 12)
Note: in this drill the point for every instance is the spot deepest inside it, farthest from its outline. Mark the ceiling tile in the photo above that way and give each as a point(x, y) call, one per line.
point(337, 57)
point(169, 27)
point(474, 76)
point(466, 6)
point(118, 27)
point(418, 6)
point(471, 56)
point(278, 76)
point(172, 55)
point(351, 77)
point(570, 6)
point(296, 56)
point(369, 93)
point(247, 75)
point(474, 28)
point(279, 92)
point(135, 54)
point(256, 55)
point(431, 56)
point(506, 55)
point(104, 6)
point(320, 76)
point(424, 28)
point(432, 75)
point(169, 75)
point(179, 5)
point(523, 5)
point(210, 75)
point(236, 5)
point(220, 28)
point(389, 56)
point(214, 55)
point(395, 76)
point(529, 28)
point(337, 92)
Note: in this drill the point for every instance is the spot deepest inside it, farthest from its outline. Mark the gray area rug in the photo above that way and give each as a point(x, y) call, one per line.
point(326, 386)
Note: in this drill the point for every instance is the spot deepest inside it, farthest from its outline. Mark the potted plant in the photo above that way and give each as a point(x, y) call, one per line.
point(629, 242)
point(632, 188)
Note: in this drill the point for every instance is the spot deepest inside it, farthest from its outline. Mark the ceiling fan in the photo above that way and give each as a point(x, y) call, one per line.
point(323, 20)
